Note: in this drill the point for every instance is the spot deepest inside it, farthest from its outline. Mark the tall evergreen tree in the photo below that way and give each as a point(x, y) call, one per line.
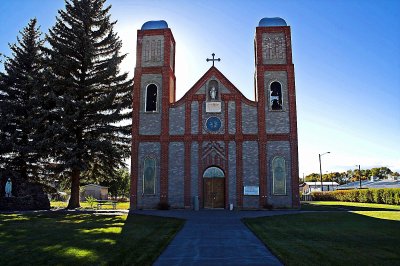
point(20, 95)
point(92, 96)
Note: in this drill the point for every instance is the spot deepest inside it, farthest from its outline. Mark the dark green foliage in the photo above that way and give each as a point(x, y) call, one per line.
point(118, 185)
point(366, 196)
point(351, 175)
point(163, 206)
point(377, 195)
point(90, 97)
point(268, 206)
point(20, 106)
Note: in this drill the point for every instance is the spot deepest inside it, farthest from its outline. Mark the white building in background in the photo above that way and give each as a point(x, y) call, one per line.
point(316, 186)
point(96, 191)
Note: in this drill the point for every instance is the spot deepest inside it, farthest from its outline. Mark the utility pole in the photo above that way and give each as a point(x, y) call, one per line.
point(320, 168)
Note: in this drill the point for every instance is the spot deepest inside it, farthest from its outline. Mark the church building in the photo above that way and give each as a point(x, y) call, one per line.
point(214, 148)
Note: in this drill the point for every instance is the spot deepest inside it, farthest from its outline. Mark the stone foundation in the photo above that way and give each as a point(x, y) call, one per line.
point(25, 196)
point(31, 202)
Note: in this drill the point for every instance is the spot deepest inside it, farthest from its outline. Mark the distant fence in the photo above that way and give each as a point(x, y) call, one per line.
point(306, 197)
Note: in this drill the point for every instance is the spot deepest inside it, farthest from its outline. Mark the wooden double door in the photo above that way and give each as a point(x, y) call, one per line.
point(214, 192)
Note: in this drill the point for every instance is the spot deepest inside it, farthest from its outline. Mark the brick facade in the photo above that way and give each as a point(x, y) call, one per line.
point(249, 137)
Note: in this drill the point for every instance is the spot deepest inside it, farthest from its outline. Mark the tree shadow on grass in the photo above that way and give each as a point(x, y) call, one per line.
point(143, 238)
point(57, 239)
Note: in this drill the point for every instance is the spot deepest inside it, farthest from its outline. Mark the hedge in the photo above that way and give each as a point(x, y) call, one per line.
point(373, 195)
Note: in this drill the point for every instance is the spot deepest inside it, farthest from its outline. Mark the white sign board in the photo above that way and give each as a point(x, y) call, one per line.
point(251, 190)
point(213, 107)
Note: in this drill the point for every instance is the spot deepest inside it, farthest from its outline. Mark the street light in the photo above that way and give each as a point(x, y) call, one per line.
point(359, 172)
point(320, 168)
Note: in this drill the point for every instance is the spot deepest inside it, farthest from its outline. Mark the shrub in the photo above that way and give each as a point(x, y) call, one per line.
point(386, 196)
point(324, 196)
point(353, 196)
point(163, 206)
point(362, 196)
point(90, 200)
point(390, 196)
point(370, 196)
point(268, 206)
point(339, 195)
point(380, 195)
point(396, 198)
point(122, 199)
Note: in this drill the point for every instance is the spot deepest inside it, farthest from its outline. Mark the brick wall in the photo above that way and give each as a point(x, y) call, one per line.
point(176, 174)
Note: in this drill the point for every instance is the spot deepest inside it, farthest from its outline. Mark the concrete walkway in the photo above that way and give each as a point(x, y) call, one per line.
point(215, 237)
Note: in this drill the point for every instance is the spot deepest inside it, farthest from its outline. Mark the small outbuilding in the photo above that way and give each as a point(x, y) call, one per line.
point(96, 191)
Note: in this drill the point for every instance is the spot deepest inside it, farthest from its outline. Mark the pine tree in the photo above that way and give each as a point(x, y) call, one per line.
point(92, 96)
point(20, 95)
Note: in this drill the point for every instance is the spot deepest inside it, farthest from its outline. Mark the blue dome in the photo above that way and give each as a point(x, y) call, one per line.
point(272, 22)
point(155, 25)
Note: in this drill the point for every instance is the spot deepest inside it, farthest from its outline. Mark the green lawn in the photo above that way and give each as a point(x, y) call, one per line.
point(366, 236)
point(85, 205)
point(83, 239)
point(350, 206)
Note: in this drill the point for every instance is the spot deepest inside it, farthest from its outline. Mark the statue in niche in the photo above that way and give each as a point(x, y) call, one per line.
point(8, 188)
point(213, 93)
point(20, 194)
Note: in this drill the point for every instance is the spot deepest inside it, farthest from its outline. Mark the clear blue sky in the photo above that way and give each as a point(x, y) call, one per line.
point(346, 56)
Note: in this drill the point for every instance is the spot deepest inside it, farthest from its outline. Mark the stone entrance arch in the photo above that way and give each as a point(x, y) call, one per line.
point(214, 187)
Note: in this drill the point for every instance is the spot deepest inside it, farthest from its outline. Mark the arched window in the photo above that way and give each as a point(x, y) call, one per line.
point(151, 98)
point(149, 176)
point(278, 176)
point(276, 96)
point(213, 172)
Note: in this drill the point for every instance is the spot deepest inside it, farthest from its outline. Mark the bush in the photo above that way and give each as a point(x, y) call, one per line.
point(91, 201)
point(397, 198)
point(366, 196)
point(163, 206)
point(391, 196)
point(268, 206)
point(122, 199)
point(379, 195)
point(324, 196)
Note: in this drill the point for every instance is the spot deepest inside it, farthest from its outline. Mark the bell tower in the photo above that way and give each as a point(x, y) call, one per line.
point(153, 91)
point(277, 118)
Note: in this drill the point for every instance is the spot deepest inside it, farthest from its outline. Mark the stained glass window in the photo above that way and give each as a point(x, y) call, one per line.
point(149, 176)
point(213, 172)
point(279, 176)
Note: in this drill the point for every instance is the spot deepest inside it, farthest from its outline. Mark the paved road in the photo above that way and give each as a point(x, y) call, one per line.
point(215, 237)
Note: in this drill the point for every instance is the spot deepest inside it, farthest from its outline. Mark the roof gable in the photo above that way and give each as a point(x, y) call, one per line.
point(213, 73)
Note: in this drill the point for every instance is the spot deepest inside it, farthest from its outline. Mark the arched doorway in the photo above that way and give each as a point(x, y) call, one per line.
point(214, 188)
